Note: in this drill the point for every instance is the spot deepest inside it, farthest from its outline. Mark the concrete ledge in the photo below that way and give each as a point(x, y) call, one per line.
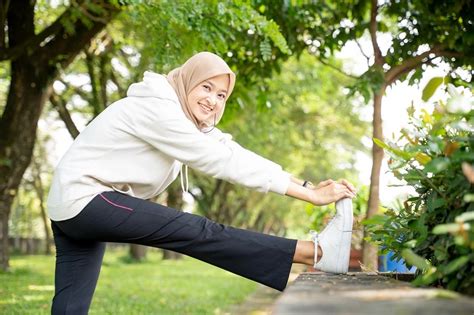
point(366, 293)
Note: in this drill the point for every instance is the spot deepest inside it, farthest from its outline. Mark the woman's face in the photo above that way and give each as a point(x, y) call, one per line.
point(208, 97)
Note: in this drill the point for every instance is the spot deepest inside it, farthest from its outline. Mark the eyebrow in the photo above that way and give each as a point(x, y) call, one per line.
point(213, 85)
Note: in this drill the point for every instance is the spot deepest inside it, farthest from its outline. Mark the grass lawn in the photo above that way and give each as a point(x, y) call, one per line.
point(156, 286)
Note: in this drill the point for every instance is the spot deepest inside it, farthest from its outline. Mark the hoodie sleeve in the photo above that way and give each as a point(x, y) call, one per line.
point(163, 125)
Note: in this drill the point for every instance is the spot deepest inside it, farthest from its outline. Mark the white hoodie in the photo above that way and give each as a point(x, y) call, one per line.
point(137, 146)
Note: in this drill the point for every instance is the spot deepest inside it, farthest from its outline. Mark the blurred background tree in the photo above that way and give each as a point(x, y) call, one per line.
point(420, 33)
point(35, 50)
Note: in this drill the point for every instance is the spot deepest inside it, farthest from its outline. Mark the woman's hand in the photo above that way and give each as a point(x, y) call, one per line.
point(330, 191)
point(323, 193)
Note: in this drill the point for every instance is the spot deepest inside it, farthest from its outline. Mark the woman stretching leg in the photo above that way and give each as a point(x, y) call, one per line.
point(134, 149)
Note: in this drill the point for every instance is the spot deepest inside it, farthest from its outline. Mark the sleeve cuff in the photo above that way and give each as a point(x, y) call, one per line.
point(280, 182)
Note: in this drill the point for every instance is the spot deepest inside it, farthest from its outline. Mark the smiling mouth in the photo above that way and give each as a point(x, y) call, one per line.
point(206, 108)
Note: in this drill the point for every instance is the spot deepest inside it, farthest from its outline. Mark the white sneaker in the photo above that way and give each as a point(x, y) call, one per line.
point(335, 240)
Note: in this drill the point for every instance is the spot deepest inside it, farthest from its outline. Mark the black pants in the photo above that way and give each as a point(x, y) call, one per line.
point(115, 217)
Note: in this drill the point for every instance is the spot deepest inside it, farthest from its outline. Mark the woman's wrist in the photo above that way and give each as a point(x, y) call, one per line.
point(298, 191)
point(308, 184)
point(304, 183)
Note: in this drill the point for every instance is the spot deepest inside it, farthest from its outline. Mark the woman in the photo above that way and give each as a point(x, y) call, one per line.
point(134, 149)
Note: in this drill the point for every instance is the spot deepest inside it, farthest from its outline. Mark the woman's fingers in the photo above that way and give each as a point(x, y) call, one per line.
point(343, 195)
point(349, 186)
point(330, 191)
point(342, 191)
point(325, 183)
point(342, 182)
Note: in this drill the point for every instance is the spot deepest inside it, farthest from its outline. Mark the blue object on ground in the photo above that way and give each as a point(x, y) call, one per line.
point(387, 263)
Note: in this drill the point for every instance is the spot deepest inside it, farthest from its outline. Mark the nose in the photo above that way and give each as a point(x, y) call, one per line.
point(212, 99)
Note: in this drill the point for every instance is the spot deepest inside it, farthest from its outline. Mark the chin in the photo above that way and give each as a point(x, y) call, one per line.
point(200, 118)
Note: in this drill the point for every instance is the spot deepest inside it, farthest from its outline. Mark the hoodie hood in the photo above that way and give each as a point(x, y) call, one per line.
point(153, 85)
point(157, 85)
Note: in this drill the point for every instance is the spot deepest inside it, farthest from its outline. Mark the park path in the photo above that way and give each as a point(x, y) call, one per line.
point(366, 293)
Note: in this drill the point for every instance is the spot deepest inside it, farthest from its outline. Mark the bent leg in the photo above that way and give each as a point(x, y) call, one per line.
point(114, 217)
point(77, 270)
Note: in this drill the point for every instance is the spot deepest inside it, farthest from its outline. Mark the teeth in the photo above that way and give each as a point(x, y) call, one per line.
point(206, 108)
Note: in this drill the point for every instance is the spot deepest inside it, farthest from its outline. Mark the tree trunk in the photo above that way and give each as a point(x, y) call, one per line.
point(47, 232)
point(138, 252)
point(96, 105)
point(33, 71)
point(370, 257)
point(4, 248)
point(28, 92)
point(38, 185)
point(175, 200)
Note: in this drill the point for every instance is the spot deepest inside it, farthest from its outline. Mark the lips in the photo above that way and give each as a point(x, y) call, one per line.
point(205, 108)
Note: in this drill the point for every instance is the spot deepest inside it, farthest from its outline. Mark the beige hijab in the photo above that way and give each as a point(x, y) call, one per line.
point(195, 70)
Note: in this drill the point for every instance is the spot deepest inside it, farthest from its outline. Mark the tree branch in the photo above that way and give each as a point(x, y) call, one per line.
point(335, 68)
point(91, 16)
point(29, 44)
point(114, 79)
point(379, 60)
point(363, 53)
point(64, 47)
point(125, 56)
point(409, 64)
point(447, 53)
point(104, 61)
point(77, 90)
point(60, 106)
point(55, 41)
point(94, 84)
point(104, 67)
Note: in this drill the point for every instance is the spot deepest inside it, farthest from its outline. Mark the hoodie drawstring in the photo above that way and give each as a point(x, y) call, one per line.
point(184, 178)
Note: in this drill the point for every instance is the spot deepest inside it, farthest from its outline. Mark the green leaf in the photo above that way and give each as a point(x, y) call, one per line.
point(404, 155)
point(468, 198)
point(435, 203)
point(428, 277)
point(415, 260)
point(422, 158)
point(266, 49)
point(411, 243)
point(431, 88)
point(456, 264)
point(466, 216)
point(375, 220)
point(446, 228)
point(381, 144)
point(437, 165)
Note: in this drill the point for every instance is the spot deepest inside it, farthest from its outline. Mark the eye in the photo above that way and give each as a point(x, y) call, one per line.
point(221, 96)
point(206, 87)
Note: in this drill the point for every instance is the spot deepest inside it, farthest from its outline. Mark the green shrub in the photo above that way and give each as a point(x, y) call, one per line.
point(433, 230)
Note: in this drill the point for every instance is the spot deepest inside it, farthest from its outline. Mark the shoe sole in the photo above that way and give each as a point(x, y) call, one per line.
point(344, 207)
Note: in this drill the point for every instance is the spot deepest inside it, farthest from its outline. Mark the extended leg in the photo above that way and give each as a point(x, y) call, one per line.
point(115, 217)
